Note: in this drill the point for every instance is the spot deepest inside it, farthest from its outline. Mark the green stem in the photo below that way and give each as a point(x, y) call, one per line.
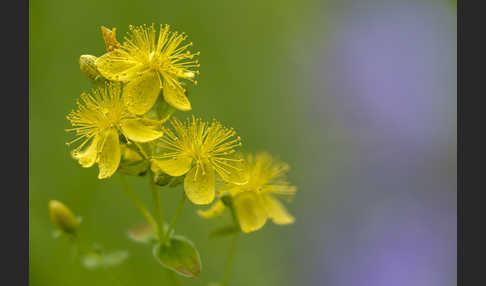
point(157, 207)
point(175, 217)
point(77, 246)
point(142, 151)
point(82, 250)
point(231, 258)
point(137, 202)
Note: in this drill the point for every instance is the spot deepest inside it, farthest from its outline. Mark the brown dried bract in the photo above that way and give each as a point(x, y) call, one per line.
point(110, 38)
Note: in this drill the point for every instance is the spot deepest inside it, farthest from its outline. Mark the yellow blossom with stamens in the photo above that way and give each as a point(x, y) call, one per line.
point(255, 202)
point(149, 63)
point(200, 150)
point(100, 117)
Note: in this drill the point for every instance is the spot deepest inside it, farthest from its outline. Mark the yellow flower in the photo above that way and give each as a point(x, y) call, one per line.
point(149, 63)
point(255, 202)
point(210, 147)
point(99, 118)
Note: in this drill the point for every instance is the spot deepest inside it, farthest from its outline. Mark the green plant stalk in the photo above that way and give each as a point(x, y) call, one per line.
point(137, 202)
point(142, 151)
point(77, 246)
point(157, 207)
point(232, 253)
point(175, 217)
point(231, 258)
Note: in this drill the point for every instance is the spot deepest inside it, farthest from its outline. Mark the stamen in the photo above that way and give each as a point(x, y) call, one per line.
point(202, 141)
point(98, 110)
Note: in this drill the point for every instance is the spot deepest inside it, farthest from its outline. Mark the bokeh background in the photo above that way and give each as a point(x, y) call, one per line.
point(358, 96)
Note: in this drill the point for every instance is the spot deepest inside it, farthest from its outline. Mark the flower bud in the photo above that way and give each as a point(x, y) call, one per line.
point(176, 181)
point(132, 163)
point(88, 68)
point(62, 217)
point(162, 179)
point(227, 200)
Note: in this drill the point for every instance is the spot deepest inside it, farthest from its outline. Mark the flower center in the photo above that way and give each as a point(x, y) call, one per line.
point(108, 117)
point(157, 62)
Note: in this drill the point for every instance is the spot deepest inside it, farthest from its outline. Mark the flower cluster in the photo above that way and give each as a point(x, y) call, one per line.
point(125, 124)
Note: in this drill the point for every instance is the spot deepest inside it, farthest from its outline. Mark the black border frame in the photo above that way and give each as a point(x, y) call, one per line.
point(14, 210)
point(471, 145)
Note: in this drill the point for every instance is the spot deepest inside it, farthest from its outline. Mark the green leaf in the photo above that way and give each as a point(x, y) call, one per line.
point(143, 233)
point(224, 231)
point(179, 255)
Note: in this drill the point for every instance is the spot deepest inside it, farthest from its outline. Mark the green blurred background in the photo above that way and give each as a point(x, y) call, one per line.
point(246, 82)
point(358, 96)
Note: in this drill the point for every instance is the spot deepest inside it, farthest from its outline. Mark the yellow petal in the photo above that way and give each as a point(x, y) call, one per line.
point(174, 167)
point(233, 171)
point(199, 184)
point(277, 211)
point(141, 129)
point(118, 65)
point(88, 157)
point(215, 210)
point(250, 211)
point(110, 155)
point(140, 94)
point(176, 97)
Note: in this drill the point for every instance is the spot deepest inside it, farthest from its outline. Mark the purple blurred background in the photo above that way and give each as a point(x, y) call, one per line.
point(382, 93)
